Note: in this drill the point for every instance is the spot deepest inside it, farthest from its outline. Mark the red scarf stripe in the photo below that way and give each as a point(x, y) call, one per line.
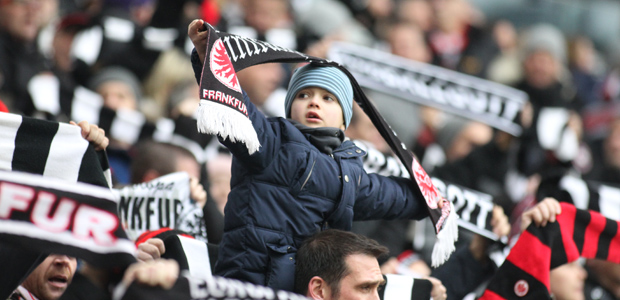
point(614, 249)
point(536, 265)
point(490, 295)
point(567, 226)
point(593, 232)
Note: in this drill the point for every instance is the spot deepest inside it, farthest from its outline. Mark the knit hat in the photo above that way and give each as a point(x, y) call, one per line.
point(545, 37)
point(117, 73)
point(329, 78)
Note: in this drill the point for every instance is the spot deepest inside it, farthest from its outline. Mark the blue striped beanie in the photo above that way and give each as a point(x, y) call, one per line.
point(329, 78)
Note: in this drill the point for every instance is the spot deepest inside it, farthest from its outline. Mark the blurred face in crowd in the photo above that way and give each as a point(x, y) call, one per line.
point(219, 175)
point(451, 15)
point(52, 277)
point(361, 128)
point(117, 95)
point(263, 15)
point(567, 281)
point(20, 18)
point(363, 280)
point(541, 69)
point(612, 145)
point(473, 135)
point(260, 81)
point(407, 40)
point(316, 107)
point(418, 12)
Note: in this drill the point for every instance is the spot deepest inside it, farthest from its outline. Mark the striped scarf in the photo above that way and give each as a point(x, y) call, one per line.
point(577, 233)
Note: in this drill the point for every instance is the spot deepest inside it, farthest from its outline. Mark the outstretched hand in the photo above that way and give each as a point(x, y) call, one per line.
point(93, 134)
point(199, 36)
point(541, 214)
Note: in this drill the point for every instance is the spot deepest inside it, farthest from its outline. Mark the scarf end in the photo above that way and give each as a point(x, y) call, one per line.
point(214, 118)
point(444, 245)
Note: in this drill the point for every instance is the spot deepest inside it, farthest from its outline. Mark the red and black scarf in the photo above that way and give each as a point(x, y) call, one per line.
point(577, 233)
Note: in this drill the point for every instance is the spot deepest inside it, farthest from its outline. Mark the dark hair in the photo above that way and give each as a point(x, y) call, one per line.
point(324, 254)
point(161, 157)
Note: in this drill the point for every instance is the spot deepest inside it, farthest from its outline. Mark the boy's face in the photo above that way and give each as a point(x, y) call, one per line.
point(316, 107)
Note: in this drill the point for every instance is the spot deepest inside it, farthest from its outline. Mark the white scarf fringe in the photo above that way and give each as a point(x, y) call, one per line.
point(444, 245)
point(215, 118)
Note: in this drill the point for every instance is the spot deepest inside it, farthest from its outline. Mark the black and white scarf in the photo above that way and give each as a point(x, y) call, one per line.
point(223, 112)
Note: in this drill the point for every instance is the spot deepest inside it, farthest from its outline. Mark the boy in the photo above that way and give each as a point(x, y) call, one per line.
point(306, 177)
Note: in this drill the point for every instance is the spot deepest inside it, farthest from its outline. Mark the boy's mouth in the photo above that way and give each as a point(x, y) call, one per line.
point(313, 117)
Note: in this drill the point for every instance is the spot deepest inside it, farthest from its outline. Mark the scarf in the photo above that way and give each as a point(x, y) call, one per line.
point(326, 139)
point(576, 233)
point(223, 112)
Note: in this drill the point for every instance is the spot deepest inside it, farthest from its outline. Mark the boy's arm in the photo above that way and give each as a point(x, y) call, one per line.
point(388, 198)
point(266, 131)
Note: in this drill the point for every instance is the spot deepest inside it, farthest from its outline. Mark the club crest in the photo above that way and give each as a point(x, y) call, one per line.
point(222, 67)
point(521, 288)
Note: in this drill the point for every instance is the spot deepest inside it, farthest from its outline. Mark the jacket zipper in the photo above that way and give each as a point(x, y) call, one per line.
point(309, 174)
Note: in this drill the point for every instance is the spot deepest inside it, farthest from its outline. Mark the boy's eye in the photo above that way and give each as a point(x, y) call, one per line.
point(302, 95)
point(329, 98)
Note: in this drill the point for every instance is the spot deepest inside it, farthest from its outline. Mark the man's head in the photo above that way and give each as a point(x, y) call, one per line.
point(52, 277)
point(20, 18)
point(544, 54)
point(336, 264)
point(119, 87)
point(320, 97)
point(154, 159)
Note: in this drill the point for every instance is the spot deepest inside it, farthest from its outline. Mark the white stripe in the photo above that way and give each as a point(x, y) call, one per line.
point(86, 105)
point(118, 29)
point(164, 130)
point(65, 154)
point(30, 230)
point(398, 287)
point(87, 45)
point(197, 256)
point(57, 184)
point(159, 39)
point(609, 202)
point(127, 125)
point(578, 190)
point(9, 123)
point(45, 92)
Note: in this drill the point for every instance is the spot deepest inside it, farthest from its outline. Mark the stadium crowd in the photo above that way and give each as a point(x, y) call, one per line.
point(129, 72)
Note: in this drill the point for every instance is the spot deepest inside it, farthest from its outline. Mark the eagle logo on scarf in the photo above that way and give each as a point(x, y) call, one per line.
point(222, 68)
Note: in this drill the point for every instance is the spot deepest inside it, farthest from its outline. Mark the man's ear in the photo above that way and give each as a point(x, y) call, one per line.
point(318, 289)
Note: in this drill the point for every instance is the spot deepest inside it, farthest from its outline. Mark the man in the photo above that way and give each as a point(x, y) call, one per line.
point(49, 280)
point(340, 265)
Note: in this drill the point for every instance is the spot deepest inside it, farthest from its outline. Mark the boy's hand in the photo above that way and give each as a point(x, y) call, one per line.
point(197, 192)
point(198, 35)
point(151, 250)
point(93, 134)
point(543, 212)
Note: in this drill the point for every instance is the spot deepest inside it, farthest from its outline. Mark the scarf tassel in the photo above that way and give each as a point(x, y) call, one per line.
point(215, 118)
point(447, 236)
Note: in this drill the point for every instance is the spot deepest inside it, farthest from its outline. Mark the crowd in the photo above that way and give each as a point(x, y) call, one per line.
point(127, 73)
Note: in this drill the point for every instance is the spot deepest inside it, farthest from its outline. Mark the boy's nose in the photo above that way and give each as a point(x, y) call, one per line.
point(314, 102)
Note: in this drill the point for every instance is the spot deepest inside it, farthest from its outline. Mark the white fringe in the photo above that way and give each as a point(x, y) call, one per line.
point(214, 118)
point(444, 245)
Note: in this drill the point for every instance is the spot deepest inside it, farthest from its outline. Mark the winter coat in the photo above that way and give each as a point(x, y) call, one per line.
point(289, 190)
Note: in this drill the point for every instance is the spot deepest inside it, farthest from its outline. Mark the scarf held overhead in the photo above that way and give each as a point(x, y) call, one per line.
point(223, 112)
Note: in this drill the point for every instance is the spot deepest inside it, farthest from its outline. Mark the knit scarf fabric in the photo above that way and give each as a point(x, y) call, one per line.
point(326, 139)
point(576, 233)
point(222, 112)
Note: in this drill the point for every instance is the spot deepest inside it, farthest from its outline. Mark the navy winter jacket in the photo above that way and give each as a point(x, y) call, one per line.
point(289, 190)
